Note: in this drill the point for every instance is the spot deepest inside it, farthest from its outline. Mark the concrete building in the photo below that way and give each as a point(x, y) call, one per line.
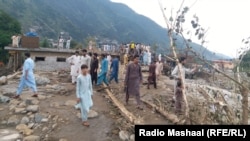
point(224, 64)
point(46, 59)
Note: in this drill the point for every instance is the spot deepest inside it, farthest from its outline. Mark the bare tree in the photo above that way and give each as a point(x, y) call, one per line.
point(175, 26)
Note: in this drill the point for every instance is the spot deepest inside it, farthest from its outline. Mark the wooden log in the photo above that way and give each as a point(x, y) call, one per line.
point(128, 115)
point(100, 89)
point(13, 75)
point(173, 118)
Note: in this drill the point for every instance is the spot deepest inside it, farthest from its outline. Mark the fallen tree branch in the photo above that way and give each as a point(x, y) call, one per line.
point(128, 115)
point(173, 118)
point(13, 75)
point(207, 96)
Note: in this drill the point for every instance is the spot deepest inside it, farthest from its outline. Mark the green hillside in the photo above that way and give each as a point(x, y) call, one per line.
point(82, 18)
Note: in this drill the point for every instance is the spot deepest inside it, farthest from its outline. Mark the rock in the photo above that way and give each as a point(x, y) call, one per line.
point(41, 97)
point(9, 135)
point(12, 107)
point(63, 140)
point(22, 105)
point(45, 129)
point(1, 109)
point(25, 120)
point(31, 101)
point(132, 137)
point(29, 113)
point(55, 118)
point(55, 105)
point(4, 99)
point(78, 115)
point(24, 129)
point(38, 118)
point(32, 138)
point(19, 110)
point(92, 114)
point(32, 108)
point(77, 106)
point(124, 135)
point(3, 80)
point(31, 125)
point(42, 80)
point(70, 103)
point(54, 126)
point(28, 101)
point(4, 122)
point(13, 120)
point(35, 102)
point(44, 120)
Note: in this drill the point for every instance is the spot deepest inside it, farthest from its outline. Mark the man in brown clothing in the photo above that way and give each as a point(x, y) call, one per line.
point(133, 78)
point(152, 75)
point(179, 103)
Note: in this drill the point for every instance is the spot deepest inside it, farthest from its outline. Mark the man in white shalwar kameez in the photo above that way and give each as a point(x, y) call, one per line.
point(158, 69)
point(27, 78)
point(175, 73)
point(60, 44)
point(74, 61)
point(149, 57)
point(85, 59)
point(84, 94)
point(159, 57)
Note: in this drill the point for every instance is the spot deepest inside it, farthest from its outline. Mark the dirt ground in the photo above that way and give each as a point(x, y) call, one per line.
point(63, 119)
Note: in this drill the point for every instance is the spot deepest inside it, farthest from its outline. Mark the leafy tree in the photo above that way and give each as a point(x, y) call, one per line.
point(73, 44)
point(45, 43)
point(8, 27)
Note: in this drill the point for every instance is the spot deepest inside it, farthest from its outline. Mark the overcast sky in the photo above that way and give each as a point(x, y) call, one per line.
point(228, 20)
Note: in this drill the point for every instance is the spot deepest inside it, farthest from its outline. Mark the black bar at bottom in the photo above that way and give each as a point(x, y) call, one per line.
point(194, 132)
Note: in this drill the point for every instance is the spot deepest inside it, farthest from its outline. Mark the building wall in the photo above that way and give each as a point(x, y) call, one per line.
point(47, 61)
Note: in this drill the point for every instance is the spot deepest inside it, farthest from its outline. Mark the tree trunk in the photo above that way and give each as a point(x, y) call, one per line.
point(244, 93)
point(129, 116)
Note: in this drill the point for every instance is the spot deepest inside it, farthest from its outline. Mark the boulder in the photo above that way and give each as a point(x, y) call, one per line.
point(25, 120)
point(31, 138)
point(92, 114)
point(32, 108)
point(124, 135)
point(9, 135)
point(24, 129)
point(3, 80)
point(42, 80)
point(13, 120)
point(70, 103)
point(4, 99)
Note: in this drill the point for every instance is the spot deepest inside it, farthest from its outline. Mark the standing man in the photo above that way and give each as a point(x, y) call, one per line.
point(175, 73)
point(102, 77)
point(149, 57)
point(85, 59)
point(27, 78)
point(114, 68)
point(60, 44)
point(133, 78)
point(68, 43)
point(159, 57)
point(159, 68)
point(94, 68)
point(145, 57)
point(152, 75)
point(84, 93)
point(74, 61)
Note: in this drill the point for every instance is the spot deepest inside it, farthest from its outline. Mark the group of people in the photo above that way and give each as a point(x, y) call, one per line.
point(84, 72)
point(61, 43)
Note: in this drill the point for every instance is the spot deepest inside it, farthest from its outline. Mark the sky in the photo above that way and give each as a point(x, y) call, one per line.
point(227, 21)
